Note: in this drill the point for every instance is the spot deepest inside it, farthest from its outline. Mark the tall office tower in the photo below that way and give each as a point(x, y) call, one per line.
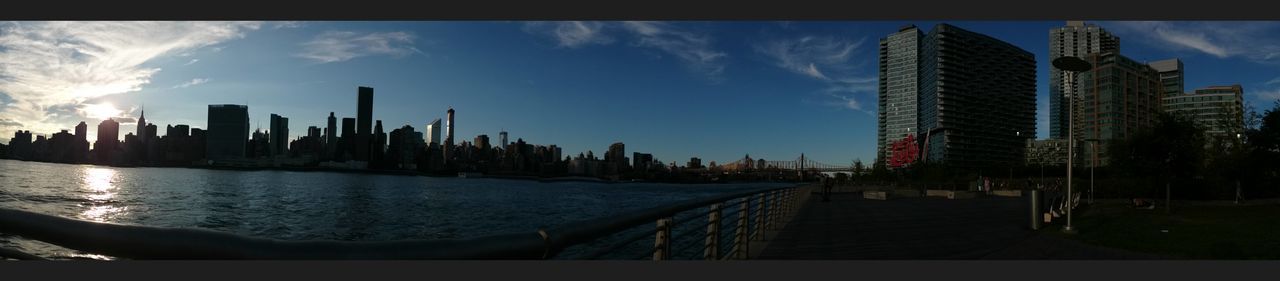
point(433, 132)
point(108, 140)
point(150, 134)
point(379, 145)
point(82, 131)
point(279, 141)
point(448, 132)
point(974, 96)
point(1171, 81)
point(482, 142)
point(313, 132)
point(142, 126)
point(1118, 97)
point(1217, 109)
point(1076, 39)
point(448, 136)
point(364, 122)
point(899, 79)
point(617, 154)
point(331, 138)
point(346, 149)
point(182, 130)
point(81, 142)
point(228, 131)
point(502, 136)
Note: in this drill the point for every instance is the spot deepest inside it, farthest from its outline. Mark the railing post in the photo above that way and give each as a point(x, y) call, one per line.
point(772, 210)
point(662, 240)
point(740, 234)
point(760, 217)
point(712, 245)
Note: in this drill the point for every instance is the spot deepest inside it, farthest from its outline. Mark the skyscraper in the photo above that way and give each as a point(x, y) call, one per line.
point(1076, 39)
point(331, 138)
point(364, 122)
point(279, 141)
point(503, 138)
point(978, 99)
point(142, 126)
point(81, 143)
point(347, 150)
point(228, 131)
point(974, 96)
point(448, 133)
point(108, 140)
point(1118, 97)
point(378, 148)
point(448, 139)
point(899, 79)
point(82, 130)
point(433, 132)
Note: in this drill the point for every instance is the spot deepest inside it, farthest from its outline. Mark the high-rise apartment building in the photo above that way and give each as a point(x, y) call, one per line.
point(1076, 39)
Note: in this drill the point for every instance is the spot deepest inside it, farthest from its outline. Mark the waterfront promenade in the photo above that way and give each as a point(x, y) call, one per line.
point(852, 227)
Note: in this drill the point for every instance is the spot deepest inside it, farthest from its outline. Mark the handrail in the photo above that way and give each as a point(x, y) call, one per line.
point(145, 242)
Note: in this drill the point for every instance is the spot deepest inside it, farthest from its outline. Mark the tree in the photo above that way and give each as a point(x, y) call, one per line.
point(1173, 150)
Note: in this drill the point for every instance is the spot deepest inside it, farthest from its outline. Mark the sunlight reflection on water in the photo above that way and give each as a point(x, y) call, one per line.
point(99, 184)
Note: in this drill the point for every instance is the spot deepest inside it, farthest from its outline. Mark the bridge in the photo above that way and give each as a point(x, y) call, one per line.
point(798, 164)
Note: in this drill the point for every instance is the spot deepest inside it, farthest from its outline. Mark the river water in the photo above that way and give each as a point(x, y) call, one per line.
point(317, 205)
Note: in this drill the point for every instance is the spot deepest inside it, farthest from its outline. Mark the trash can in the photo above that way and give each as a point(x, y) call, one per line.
point(1036, 214)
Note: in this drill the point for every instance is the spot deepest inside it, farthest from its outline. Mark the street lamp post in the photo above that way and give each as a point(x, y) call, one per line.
point(1093, 143)
point(1071, 65)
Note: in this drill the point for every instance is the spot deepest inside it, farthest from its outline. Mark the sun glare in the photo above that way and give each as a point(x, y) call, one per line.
point(101, 111)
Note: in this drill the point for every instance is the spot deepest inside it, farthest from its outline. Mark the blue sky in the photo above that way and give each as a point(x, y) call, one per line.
point(714, 90)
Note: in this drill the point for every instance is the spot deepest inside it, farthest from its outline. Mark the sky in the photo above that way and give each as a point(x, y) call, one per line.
point(713, 90)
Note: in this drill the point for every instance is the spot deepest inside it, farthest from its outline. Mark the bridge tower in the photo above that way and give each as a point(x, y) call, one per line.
point(800, 167)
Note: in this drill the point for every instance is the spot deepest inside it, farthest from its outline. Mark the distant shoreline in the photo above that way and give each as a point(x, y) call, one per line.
point(387, 172)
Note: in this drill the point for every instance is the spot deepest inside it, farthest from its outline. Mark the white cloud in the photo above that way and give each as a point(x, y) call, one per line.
point(286, 24)
point(1274, 81)
point(193, 82)
point(49, 65)
point(10, 123)
point(694, 49)
point(808, 55)
point(827, 59)
point(571, 34)
point(193, 61)
point(1250, 40)
point(1268, 95)
point(337, 46)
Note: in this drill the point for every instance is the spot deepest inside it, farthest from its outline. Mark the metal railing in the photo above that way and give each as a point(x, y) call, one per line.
point(753, 212)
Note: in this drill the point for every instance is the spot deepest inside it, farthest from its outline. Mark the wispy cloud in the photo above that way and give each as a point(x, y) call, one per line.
point(1268, 95)
point(193, 82)
point(286, 24)
point(1250, 40)
point(809, 55)
point(193, 61)
point(1274, 81)
point(827, 59)
point(10, 123)
point(695, 49)
point(571, 34)
point(46, 65)
point(337, 46)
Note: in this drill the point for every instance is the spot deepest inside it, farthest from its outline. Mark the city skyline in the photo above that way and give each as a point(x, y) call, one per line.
point(714, 91)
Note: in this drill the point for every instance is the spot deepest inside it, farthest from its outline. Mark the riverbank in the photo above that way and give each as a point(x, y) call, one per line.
point(401, 173)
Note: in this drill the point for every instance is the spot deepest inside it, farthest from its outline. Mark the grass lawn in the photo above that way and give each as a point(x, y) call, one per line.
point(1193, 232)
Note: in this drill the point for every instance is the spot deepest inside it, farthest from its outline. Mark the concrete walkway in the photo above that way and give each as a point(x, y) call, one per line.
point(851, 227)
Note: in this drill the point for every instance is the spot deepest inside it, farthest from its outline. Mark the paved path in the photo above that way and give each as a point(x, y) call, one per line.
point(850, 227)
